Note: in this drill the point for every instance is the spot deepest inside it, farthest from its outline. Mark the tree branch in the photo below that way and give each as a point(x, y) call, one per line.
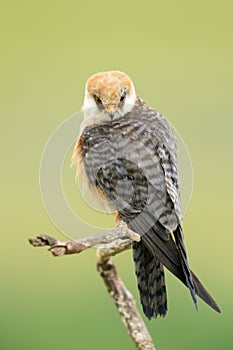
point(112, 243)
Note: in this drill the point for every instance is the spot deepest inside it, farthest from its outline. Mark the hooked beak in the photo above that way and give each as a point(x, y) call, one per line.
point(111, 110)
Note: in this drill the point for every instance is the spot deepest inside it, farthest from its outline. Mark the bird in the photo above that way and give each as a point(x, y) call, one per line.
point(126, 155)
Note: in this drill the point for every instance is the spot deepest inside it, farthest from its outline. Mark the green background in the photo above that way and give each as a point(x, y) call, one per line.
point(180, 57)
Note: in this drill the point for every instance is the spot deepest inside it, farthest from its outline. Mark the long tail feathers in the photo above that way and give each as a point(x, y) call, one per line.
point(170, 254)
point(151, 281)
point(178, 234)
point(203, 294)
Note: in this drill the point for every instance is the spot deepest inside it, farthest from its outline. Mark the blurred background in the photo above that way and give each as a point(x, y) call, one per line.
point(179, 55)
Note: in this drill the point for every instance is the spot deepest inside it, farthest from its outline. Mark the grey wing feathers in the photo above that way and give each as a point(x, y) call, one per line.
point(178, 234)
point(159, 242)
point(171, 177)
point(169, 255)
point(133, 162)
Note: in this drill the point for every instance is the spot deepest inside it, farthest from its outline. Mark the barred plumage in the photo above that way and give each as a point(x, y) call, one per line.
point(151, 281)
point(131, 160)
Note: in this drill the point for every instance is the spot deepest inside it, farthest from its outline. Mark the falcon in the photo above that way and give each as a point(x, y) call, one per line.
point(126, 154)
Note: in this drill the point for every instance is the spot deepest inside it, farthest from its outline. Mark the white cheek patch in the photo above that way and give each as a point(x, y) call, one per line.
point(91, 113)
point(88, 102)
point(129, 103)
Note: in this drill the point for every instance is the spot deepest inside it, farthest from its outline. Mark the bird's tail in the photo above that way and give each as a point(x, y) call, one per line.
point(151, 281)
point(172, 254)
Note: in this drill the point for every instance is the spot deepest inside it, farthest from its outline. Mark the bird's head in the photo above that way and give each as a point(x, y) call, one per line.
point(108, 95)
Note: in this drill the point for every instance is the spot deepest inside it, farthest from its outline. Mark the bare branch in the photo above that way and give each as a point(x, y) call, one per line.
point(112, 243)
point(59, 248)
point(121, 297)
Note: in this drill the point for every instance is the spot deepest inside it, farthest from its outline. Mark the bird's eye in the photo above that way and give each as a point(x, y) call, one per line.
point(97, 100)
point(123, 97)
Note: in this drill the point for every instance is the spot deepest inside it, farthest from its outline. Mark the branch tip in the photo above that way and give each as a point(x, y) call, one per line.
point(112, 243)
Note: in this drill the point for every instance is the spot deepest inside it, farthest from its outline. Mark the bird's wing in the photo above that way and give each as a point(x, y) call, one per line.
point(124, 160)
point(169, 166)
point(171, 178)
point(154, 236)
point(176, 264)
point(188, 277)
